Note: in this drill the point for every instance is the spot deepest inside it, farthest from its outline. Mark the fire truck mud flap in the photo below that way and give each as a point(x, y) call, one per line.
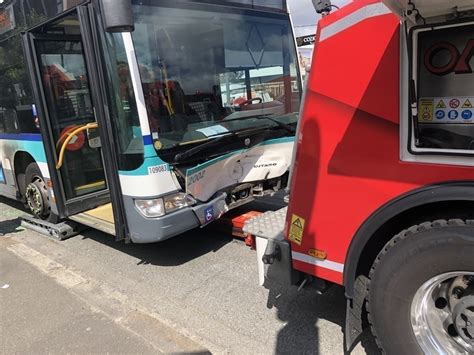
point(273, 251)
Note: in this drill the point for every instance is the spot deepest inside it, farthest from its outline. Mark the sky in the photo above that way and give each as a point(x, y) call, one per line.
point(303, 13)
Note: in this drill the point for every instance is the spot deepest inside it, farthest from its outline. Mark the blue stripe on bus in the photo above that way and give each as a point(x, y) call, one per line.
point(35, 137)
point(2, 175)
point(147, 140)
point(33, 147)
point(279, 140)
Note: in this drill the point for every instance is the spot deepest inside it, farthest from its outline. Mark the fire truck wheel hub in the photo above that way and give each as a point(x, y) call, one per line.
point(464, 318)
point(442, 314)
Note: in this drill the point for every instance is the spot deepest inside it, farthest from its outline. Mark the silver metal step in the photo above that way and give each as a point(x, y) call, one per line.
point(60, 231)
point(269, 225)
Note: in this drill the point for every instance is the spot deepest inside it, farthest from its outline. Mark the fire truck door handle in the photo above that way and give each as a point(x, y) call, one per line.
point(269, 259)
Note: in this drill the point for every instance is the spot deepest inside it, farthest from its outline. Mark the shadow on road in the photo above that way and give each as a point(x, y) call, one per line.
point(9, 226)
point(303, 312)
point(12, 203)
point(172, 252)
point(9, 218)
point(182, 248)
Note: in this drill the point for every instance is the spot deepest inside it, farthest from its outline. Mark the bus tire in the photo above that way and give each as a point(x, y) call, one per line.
point(422, 288)
point(36, 194)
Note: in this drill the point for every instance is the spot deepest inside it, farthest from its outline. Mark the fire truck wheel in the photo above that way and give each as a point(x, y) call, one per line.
point(421, 290)
point(36, 193)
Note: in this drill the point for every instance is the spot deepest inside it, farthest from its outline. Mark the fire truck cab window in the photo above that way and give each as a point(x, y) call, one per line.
point(207, 70)
point(445, 88)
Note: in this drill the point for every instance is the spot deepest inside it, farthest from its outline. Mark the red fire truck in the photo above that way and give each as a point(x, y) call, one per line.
point(382, 188)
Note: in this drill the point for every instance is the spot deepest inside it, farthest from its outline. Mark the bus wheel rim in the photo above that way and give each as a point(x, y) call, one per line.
point(34, 199)
point(442, 314)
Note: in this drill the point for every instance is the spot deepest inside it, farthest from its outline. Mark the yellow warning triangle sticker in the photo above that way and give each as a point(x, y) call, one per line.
point(441, 104)
point(296, 229)
point(297, 223)
point(467, 104)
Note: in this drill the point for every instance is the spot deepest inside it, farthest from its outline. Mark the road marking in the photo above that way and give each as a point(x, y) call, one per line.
point(148, 325)
point(63, 276)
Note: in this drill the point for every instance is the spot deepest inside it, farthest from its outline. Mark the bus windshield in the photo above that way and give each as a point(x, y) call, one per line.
point(208, 70)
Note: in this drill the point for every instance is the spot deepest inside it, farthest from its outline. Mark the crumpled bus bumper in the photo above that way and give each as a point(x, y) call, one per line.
point(151, 230)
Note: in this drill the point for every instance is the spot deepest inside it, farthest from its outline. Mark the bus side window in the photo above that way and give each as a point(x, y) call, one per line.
point(11, 121)
point(2, 120)
point(27, 119)
point(16, 97)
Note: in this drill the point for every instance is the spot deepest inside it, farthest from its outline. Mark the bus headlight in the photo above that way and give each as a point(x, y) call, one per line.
point(176, 201)
point(158, 207)
point(151, 208)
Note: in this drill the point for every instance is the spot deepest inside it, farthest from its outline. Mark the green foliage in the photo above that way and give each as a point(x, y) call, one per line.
point(13, 70)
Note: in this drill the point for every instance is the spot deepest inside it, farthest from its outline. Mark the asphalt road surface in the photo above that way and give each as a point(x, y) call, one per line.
point(193, 293)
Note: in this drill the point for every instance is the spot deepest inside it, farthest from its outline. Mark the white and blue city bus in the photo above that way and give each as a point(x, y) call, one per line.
point(145, 118)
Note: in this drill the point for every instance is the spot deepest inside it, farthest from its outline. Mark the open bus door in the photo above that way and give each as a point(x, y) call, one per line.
point(69, 96)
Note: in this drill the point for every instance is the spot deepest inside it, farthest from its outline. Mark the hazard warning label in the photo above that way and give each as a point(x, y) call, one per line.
point(440, 104)
point(447, 110)
point(296, 229)
point(454, 103)
point(425, 113)
point(467, 104)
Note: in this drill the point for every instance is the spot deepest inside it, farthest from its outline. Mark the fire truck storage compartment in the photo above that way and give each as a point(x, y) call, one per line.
point(442, 64)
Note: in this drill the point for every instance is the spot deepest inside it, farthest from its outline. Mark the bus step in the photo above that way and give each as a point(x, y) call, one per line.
point(60, 231)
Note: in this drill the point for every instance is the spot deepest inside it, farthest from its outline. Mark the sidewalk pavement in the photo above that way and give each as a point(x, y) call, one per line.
point(40, 316)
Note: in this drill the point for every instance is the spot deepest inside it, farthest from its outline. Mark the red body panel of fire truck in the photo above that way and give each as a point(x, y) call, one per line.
point(382, 188)
point(348, 155)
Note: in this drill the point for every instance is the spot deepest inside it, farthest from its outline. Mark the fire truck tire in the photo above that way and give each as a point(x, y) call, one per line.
point(36, 194)
point(421, 290)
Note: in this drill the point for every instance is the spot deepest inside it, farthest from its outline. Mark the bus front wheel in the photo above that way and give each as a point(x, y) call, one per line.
point(36, 193)
point(421, 290)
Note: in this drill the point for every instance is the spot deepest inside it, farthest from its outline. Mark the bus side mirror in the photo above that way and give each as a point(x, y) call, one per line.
point(117, 15)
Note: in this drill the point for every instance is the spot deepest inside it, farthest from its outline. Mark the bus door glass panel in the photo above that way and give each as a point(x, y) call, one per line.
point(66, 88)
